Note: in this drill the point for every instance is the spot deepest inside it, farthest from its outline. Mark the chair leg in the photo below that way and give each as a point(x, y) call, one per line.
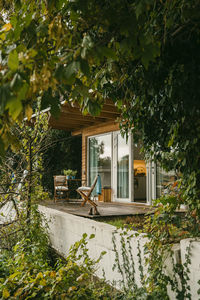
point(66, 198)
point(96, 211)
point(84, 202)
point(92, 203)
point(93, 211)
point(85, 199)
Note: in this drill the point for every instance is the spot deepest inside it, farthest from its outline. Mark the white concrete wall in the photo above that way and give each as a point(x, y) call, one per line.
point(194, 267)
point(65, 229)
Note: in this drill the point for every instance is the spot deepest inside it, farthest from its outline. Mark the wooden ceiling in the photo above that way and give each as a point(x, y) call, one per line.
point(72, 119)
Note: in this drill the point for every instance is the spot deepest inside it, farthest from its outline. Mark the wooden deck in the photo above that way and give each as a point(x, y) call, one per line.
point(112, 209)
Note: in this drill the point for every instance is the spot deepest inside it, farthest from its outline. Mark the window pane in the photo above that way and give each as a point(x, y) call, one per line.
point(140, 173)
point(100, 159)
point(163, 179)
point(122, 168)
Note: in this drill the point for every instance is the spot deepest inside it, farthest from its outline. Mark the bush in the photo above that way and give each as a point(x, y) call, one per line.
point(29, 272)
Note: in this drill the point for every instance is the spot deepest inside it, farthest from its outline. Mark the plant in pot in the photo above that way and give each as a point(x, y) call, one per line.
point(70, 173)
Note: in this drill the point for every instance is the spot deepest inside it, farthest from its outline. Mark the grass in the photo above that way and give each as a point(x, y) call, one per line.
point(135, 222)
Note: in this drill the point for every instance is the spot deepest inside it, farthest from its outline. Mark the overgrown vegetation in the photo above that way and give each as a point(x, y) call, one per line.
point(143, 265)
point(143, 255)
point(27, 272)
point(29, 269)
point(133, 222)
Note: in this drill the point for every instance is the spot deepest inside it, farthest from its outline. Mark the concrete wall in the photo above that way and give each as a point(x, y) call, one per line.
point(194, 267)
point(65, 229)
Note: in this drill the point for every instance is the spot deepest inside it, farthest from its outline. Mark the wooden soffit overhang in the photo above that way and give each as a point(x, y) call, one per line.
point(72, 119)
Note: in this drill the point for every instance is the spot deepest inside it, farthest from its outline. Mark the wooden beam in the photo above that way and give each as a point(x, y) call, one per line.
point(78, 119)
point(79, 116)
point(101, 128)
point(60, 127)
point(103, 115)
point(110, 108)
point(71, 123)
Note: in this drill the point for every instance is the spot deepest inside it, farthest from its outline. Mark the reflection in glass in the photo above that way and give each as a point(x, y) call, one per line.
point(163, 180)
point(122, 168)
point(140, 173)
point(100, 159)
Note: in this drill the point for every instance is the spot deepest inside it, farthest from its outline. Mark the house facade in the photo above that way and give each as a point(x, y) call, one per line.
point(118, 160)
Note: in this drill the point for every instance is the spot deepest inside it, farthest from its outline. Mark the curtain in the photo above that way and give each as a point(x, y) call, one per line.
point(100, 159)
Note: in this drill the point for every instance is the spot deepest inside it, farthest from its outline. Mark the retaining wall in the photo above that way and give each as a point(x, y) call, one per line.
point(65, 229)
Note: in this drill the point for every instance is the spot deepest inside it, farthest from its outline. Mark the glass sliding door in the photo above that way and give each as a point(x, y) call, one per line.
point(100, 156)
point(122, 167)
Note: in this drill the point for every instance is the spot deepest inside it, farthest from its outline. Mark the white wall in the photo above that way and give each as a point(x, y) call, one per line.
point(65, 229)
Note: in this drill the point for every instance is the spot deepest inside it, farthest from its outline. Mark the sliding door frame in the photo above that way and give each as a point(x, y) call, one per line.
point(130, 171)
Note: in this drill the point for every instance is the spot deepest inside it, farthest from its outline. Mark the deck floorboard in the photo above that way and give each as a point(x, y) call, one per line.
point(105, 209)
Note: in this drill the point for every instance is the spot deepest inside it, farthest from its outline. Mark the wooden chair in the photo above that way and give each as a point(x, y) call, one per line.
point(85, 193)
point(61, 190)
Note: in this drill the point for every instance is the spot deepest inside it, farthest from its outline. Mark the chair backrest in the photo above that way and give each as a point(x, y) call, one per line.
point(93, 185)
point(60, 180)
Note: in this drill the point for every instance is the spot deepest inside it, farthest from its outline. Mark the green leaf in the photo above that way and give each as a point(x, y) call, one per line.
point(93, 108)
point(92, 236)
point(16, 82)
point(2, 148)
point(53, 102)
point(4, 96)
point(13, 61)
point(85, 235)
point(70, 72)
point(84, 67)
point(72, 68)
point(14, 275)
point(108, 52)
point(14, 106)
point(23, 91)
point(87, 42)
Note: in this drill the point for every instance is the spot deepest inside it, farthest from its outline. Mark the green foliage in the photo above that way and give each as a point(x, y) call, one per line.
point(63, 152)
point(29, 274)
point(70, 173)
point(151, 266)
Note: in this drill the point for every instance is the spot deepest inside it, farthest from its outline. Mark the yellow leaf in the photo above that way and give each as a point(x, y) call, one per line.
point(13, 275)
point(6, 27)
point(2, 36)
point(29, 112)
point(52, 274)
point(71, 289)
point(6, 293)
point(18, 292)
point(43, 282)
point(39, 275)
